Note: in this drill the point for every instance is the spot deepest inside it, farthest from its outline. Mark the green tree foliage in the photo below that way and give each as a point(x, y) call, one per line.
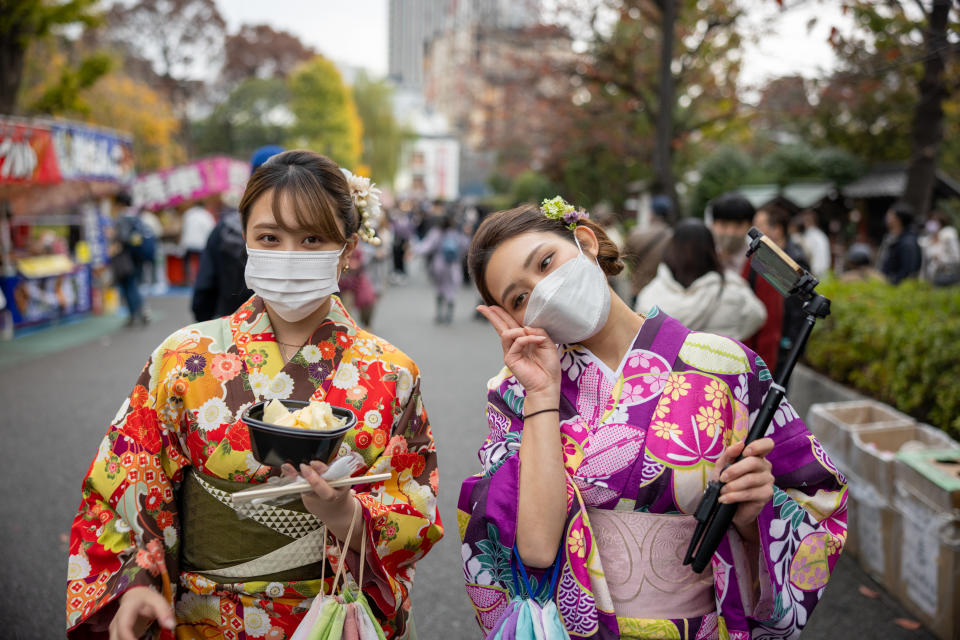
point(23, 22)
point(894, 93)
point(65, 95)
point(383, 136)
point(900, 345)
point(531, 186)
point(729, 168)
point(724, 170)
point(608, 116)
point(789, 163)
point(325, 112)
point(254, 114)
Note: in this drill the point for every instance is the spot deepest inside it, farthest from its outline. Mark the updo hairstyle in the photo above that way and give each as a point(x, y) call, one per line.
point(528, 218)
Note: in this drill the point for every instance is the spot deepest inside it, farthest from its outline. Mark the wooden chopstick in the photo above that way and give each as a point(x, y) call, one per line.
point(248, 495)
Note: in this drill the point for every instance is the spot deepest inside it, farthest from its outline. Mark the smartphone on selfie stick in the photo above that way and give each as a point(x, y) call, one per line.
point(790, 280)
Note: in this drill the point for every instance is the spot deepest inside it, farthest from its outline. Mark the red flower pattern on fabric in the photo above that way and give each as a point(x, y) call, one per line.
point(141, 426)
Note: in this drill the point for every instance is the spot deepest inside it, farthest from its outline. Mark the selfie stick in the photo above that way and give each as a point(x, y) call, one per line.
point(714, 518)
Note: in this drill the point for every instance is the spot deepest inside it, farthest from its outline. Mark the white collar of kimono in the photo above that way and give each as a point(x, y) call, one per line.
point(604, 368)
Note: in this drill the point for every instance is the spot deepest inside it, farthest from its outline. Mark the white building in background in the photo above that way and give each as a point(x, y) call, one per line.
point(430, 166)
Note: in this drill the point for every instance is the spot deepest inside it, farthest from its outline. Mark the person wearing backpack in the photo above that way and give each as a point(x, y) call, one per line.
point(134, 245)
point(444, 247)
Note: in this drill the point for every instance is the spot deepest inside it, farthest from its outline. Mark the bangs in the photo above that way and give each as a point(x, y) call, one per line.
point(314, 210)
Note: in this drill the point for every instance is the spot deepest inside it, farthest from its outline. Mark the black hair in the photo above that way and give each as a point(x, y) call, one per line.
point(691, 252)
point(904, 212)
point(732, 207)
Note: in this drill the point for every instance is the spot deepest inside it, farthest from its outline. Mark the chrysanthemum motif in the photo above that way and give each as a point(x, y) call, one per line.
point(78, 567)
point(577, 543)
point(714, 393)
point(663, 429)
point(346, 377)
point(256, 622)
point(709, 420)
point(212, 414)
point(677, 387)
point(311, 353)
point(195, 363)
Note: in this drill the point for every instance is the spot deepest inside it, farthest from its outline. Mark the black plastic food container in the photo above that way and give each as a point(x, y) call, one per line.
point(273, 445)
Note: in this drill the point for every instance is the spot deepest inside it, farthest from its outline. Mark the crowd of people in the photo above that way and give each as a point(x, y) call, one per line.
point(698, 271)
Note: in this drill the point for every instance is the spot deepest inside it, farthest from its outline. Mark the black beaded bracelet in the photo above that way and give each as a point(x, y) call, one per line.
point(530, 415)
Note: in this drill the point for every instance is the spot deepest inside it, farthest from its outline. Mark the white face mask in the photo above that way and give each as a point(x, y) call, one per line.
point(572, 303)
point(295, 283)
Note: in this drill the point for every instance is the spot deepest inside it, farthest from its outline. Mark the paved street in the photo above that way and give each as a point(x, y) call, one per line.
point(59, 405)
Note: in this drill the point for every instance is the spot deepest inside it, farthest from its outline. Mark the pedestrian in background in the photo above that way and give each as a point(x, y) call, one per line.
point(156, 538)
point(773, 221)
point(356, 285)
point(220, 287)
point(133, 245)
point(858, 265)
point(644, 245)
point(602, 432)
point(816, 243)
point(198, 223)
point(900, 256)
point(693, 288)
point(442, 248)
point(941, 251)
point(731, 217)
point(401, 223)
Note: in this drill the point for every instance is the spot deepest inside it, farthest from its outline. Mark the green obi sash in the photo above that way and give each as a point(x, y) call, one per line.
point(246, 543)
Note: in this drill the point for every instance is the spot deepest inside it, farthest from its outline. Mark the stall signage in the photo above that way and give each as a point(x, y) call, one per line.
point(27, 156)
point(91, 154)
point(190, 182)
point(51, 152)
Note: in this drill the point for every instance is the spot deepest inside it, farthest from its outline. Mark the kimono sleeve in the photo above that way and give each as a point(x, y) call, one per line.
point(401, 517)
point(126, 531)
point(802, 530)
point(489, 502)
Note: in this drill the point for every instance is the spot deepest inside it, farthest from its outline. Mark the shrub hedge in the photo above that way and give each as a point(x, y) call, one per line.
point(900, 345)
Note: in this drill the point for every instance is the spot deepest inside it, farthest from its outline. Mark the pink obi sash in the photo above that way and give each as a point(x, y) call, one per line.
point(642, 557)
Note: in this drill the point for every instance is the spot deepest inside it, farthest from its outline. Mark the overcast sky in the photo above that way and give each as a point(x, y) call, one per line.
point(355, 32)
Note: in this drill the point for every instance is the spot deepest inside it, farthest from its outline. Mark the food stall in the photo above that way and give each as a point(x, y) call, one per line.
point(54, 174)
point(173, 190)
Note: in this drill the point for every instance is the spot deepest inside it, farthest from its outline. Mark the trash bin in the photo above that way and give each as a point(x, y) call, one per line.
point(834, 422)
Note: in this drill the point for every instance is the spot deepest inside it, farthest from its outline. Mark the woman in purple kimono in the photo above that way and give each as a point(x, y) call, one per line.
point(604, 429)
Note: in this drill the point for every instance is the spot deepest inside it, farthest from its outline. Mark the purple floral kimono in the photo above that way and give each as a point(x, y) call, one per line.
point(645, 438)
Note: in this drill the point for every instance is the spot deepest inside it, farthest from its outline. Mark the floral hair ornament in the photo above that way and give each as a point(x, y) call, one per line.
point(559, 209)
point(366, 198)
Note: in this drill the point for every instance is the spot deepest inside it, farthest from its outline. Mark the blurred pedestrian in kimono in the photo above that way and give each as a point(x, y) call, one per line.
point(357, 287)
point(443, 247)
point(605, 428)
point(156, 538)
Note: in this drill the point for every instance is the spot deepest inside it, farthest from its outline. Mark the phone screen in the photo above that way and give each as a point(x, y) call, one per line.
point(775, 266)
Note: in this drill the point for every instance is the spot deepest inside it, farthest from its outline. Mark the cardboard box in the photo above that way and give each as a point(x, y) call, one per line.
point(930, 563)
point(873, 532)
point(933, 474)
point(833, 422)
point(874, 449)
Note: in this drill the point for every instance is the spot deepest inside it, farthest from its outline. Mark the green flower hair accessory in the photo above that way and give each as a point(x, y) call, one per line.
point(559, 209)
